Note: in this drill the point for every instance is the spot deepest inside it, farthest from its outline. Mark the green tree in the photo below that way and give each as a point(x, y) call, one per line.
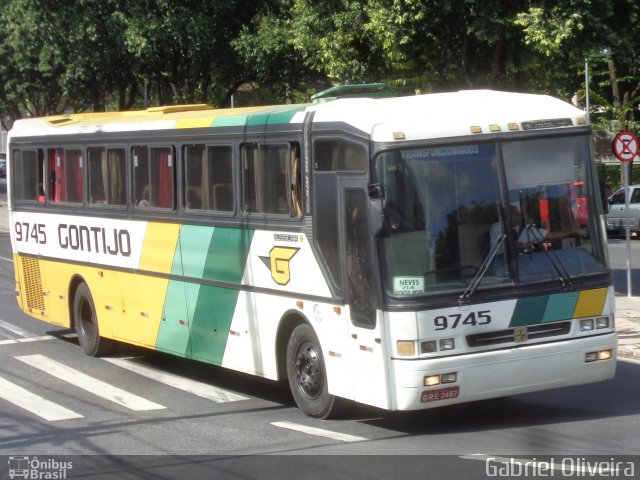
point(183, 48)
point(416, 44)
point(269, 57)
point(34, 56)
point(571, 30)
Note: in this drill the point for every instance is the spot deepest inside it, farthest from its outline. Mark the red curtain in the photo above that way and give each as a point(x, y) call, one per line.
point(74, 180)
point(164, 162)
point(56, 163)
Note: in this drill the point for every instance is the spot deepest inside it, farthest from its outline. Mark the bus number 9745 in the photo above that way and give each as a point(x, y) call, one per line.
point(26, 232)
point(443, 322)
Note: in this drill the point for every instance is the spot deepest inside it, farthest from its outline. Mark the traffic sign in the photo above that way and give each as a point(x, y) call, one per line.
point(625, 146)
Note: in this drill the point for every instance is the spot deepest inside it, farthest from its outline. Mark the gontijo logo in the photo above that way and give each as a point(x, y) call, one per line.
point(278, 263)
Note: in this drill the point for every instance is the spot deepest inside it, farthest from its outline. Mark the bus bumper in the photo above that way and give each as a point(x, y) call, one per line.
point(502, 372)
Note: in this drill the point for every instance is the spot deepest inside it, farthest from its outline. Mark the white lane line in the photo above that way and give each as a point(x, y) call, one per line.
point(26, 340)
point(15, 329)
point(191, 386)
point(6, 259)
point(90, 384)
point(319, 432)
point(33, 403)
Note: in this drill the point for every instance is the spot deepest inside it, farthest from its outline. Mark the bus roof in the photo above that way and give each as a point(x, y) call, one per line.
point(426, 116)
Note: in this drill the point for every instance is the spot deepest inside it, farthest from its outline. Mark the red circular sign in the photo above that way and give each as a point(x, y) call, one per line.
point(625, 146)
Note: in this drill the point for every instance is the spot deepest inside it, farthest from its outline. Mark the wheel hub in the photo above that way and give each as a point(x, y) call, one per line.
point(309, 371)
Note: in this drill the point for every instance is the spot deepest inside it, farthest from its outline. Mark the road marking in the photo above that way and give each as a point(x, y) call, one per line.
point(191, 386)
point(6, 259)
point(319, 432)
point(15, 329)
point(90, 384)
point(33, 403)
point(26, 340)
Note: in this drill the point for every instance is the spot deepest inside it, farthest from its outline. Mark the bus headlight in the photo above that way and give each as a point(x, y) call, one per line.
point(602, 322)
point(586, 325)
point(432, 346)
point(447, 344)
point(601, 355)
point(429, 346)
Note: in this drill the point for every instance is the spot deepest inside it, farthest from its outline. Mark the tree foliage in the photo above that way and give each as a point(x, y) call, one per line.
point(96, 54)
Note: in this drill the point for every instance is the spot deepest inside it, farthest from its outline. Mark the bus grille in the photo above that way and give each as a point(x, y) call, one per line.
point(534, 332)
point(33, 283)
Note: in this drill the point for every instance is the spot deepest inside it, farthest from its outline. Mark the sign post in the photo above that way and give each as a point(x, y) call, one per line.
point(625, 148)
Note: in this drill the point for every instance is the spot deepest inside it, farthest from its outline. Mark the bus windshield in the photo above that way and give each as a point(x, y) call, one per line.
point(446, 206)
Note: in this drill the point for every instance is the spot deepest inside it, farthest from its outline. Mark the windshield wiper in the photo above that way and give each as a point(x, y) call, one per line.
point(493, 251)
point(558, 266)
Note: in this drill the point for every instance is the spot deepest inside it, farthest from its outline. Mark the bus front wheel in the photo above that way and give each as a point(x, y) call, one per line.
point(307, 374)
point(86, 323)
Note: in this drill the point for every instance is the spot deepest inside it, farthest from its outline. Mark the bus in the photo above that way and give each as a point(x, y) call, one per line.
point(362, 248)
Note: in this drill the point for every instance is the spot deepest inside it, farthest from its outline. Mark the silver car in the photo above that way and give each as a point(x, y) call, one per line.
point(616, 218)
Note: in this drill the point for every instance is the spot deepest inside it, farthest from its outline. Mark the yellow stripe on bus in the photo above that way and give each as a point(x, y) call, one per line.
point(590, 302)
point(159, 246)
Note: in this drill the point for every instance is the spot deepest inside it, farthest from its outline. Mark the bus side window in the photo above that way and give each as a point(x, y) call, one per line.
point(268, 181)
point(154, 177)
point(194, 176)
point(66, 170)
point(28, 175)
point(296, 182)
point(339, 156)
point(220, 174)
point(107, 176)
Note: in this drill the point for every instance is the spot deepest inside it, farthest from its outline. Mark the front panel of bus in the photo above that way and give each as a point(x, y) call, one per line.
point(493, 266)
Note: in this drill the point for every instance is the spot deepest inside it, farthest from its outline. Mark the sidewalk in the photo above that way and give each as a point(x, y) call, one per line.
point(627, 311)
point(628, 326)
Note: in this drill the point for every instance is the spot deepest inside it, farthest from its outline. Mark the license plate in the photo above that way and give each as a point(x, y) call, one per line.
point(440, 394)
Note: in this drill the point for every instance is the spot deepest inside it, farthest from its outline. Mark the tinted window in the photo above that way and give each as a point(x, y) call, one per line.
point(107, 176)
point(66, 175)
point(153, 177)
point(209, 178)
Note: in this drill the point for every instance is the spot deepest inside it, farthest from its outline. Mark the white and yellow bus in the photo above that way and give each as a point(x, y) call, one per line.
point(404, 253)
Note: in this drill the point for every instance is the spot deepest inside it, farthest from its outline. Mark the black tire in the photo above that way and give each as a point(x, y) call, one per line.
point(307, 374)
point(86, 323)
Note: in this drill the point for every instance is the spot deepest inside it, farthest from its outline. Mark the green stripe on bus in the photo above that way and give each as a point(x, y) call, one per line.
point(529, 311)
point(212, 253)
point(281, 115)
point(560, 307)
point(266, 117)
point(230, 121)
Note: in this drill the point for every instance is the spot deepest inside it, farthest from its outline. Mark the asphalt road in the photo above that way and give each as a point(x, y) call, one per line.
point(170, 409)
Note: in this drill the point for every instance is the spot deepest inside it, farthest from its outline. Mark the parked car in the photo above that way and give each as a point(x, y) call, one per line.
point(3, 165)
point(616, 218)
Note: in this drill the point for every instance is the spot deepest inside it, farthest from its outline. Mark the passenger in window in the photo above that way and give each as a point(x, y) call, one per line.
point(144, 201)
point(194, 200)
point(98, 197)
point(529, 236)
point(353, 159)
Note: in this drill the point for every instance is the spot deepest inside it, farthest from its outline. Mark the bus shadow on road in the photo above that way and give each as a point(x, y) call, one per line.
point(220, 377)
point(613, 398)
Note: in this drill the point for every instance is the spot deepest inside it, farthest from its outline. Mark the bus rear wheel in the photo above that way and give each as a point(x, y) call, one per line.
point(86, 323)
point(307, 374)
